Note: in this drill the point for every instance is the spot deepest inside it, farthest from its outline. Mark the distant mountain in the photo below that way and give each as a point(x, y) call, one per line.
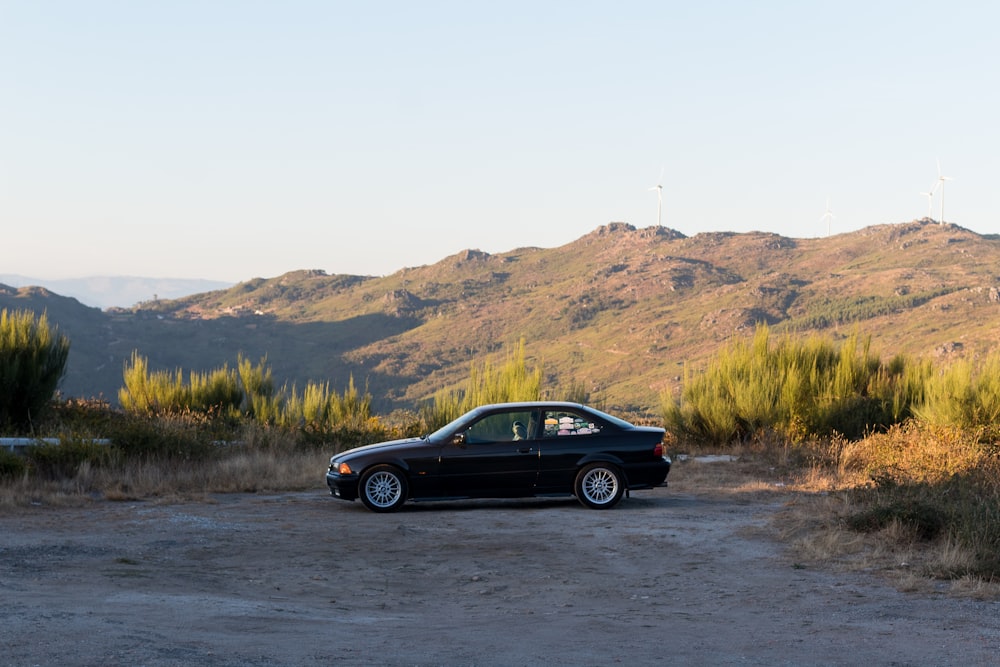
point(618, 313)
point(117, 291)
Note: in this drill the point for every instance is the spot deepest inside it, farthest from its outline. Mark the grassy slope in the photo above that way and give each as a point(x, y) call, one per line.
point(618, 310)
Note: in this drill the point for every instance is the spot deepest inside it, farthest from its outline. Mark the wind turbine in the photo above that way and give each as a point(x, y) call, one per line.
point(659, 198)
point(940, 181)
point(828, 216)
point(930, 201)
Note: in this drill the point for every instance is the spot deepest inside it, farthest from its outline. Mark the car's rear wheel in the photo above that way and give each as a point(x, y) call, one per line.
point(599, 486)
point(383, 488)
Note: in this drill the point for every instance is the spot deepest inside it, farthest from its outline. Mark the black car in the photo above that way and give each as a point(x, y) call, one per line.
point(507, 450)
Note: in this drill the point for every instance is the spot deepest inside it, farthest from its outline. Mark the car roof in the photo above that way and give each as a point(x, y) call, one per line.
point(532, 404)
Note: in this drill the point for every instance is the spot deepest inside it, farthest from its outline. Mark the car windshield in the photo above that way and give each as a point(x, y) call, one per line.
point(455, 426)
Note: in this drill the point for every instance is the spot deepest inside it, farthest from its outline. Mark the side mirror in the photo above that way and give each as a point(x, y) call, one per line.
point(458, 439)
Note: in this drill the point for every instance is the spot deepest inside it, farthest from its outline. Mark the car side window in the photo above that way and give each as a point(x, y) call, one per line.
point(502, 427)
point(564, 423)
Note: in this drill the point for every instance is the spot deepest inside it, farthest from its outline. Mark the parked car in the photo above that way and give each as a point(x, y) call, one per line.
point(507, 450)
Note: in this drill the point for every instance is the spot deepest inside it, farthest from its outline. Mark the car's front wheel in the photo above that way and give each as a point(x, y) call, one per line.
point(599, 486)
point(383, 488)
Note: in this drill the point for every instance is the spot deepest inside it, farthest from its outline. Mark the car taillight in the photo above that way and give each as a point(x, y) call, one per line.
point(658, 450)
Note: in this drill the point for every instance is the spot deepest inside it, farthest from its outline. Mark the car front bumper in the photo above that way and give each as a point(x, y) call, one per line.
point(344, 487)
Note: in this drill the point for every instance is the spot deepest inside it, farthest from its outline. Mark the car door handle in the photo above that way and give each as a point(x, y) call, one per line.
point(526, 450)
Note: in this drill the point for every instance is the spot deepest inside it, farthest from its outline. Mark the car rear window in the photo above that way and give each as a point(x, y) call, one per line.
point(563, 423)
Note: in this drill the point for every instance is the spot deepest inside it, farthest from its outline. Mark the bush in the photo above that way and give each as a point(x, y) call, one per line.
point(941, 482)
point(159, 393)
point(964, 508)
point(32, 362)
point(795, 388)
point(916, 452)
point(92, 417)
point(63, 460)
point(11, 465)
point(486, 384)
point(169, 438)
point(964, 395)
point(905, 505)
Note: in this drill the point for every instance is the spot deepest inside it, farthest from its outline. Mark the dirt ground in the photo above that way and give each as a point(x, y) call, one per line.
point(670, 576)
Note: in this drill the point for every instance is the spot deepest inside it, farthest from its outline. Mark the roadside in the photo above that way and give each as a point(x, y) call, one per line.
point(674, 574)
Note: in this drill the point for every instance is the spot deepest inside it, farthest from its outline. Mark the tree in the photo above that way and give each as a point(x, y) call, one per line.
point(32, 362)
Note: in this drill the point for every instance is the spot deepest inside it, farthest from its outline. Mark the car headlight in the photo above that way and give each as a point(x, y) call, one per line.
point(342, 468)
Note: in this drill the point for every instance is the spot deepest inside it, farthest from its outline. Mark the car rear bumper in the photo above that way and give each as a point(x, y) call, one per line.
point(647, 476)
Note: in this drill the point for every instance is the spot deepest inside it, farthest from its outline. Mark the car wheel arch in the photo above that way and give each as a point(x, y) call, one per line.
point(395, 463)
point(603, 458)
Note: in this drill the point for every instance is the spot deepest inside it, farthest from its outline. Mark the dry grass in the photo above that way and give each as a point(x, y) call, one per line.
point(738, 477)
point(824, 484)
point(249, 471)
point(914, 452)
point(813, 526)
point(243, 470)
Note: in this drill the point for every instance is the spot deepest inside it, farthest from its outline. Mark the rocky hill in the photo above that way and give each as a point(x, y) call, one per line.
point(617, 312)
point(117, 291)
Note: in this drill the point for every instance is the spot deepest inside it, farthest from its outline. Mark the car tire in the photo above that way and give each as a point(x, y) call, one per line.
point(383, 488)
point(599, 486)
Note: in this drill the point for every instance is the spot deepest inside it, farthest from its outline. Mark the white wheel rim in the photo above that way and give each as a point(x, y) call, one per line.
point(600, 486)
point(383, 489)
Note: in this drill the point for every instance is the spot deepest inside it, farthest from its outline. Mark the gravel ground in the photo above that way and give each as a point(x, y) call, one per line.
point(305, 579)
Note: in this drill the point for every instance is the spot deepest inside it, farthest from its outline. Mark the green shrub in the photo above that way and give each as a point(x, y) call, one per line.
point(157, 393)
point(796, 388)
point(11, 465)
point(964, 395)
point(63, 460)
point(173, 437)
point(260, 401)
point(906, 506)
point(86, 417)
point(32, 362)
point(487, 383)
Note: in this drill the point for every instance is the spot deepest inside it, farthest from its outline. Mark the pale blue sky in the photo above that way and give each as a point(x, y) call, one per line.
point(230, 139)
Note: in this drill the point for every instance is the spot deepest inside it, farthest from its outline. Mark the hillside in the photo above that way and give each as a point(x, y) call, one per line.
point(618, 311)
point(117, 291)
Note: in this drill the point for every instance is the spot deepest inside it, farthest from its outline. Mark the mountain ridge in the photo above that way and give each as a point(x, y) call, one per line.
point(117, 291)
point(618, 312)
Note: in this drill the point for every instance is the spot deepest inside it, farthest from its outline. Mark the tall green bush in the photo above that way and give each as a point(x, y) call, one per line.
point(33, 359)
point(157, 393)
point(487, 383)
point(797, 388)
point(319, 409)
point(219, 397)
point(261, 402)
point(963, 395)
point(146, 392)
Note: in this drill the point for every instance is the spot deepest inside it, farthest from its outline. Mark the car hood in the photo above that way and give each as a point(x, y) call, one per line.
point(367, 449)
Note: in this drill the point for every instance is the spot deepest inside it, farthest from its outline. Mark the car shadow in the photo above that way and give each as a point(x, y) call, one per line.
point(634, 503)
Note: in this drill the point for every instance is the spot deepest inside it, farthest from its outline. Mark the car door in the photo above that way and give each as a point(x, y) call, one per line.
point(492, 457)
point(566, 438)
